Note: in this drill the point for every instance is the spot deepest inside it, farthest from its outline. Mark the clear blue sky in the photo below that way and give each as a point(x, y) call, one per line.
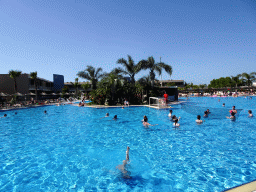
point(201, 40)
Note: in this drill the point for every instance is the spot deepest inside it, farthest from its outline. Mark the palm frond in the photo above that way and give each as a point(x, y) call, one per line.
point(166, 67)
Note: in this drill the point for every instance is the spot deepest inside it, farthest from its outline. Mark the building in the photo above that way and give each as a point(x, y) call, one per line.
point(169, 83)
point(26, 85)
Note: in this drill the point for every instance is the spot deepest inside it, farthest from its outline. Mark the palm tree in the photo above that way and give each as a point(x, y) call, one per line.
point(154, 67)
point(131, 69)
point(249, 78)
point(76, 85)
point(14, 74)
point(236, 79)
point(145, 83)
point(91, 74)
point(33, 75)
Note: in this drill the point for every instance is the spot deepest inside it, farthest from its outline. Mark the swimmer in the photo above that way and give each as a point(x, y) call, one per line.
point(45, 111)
point(122, 107)
point(232, 117)
point(208, 111)
point(250, 113)
point(199, 121)
point(107, 115)
point(205, 114)
point(115, 117)
point(174, 117)
point(170, 113)
point(234, 109)
point(176, 124)
point(123, 167)
point(223, 105)
point(15, 113)
point(5, 115)
point(145, 121)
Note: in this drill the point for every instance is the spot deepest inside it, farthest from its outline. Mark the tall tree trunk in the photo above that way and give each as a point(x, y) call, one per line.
point(15, 85)
point(152, 77)
point(36, 89)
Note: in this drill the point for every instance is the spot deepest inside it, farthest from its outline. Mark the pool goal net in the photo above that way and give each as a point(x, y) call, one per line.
point(157, 102)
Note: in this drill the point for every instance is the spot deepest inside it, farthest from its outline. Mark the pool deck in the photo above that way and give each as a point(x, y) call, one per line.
point(248, 187)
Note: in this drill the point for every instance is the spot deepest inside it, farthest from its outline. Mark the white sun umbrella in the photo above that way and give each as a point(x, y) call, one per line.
point(3, 94)
point(18, 94)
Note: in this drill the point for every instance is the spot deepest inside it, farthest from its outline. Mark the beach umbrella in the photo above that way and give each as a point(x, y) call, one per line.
point(43, 93)
point(18, 94)
point(53, 93)
point(3, 94)
point(31, 93)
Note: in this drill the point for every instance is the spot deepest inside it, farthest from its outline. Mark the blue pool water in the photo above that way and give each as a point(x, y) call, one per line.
point(71, 149)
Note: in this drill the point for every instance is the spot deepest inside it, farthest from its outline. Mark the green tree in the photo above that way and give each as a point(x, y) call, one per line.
point(75, 85)
point(33, 76)
point(154, 67)
point(236, 81)
point(131, 68)
point(249, 78)
point(91, 74)
point(14, 75)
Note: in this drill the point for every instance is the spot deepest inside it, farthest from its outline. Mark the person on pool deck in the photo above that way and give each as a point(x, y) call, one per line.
point(123, 167)
point(170, 113)
point(232, 117)
point(223, 105)
point(126, 103)
point(250, 113)
point(115, 117)
point(176, 124)
point(205, 114)
point(199, 121)
point(165, 98)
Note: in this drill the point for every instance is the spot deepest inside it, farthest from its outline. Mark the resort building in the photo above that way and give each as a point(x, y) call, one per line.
point(26, 85)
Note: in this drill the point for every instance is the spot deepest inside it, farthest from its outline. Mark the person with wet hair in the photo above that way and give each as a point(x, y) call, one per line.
point(170, 113)
point(232, 117)
point(250, 113)
point(176, 124)
point(5, 115)
point(198, 120)
point(115, 117)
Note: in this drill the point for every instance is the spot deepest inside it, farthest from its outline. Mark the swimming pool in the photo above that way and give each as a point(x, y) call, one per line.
point(71, 149)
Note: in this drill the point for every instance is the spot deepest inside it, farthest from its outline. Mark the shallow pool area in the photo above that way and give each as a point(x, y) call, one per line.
point(73, 148)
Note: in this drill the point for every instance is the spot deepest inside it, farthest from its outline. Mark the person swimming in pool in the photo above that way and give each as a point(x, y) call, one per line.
point(198, 120)
point(250, 113)
point(232, 117)
point(170, 113)
point(205, 114)
point(223, 105)
point(5, 115)
point(115, 117)
point(234, 110)
point(146, 123)
point(123, 167)
point(176, 124)
point(173, 118)
point(208, 111)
